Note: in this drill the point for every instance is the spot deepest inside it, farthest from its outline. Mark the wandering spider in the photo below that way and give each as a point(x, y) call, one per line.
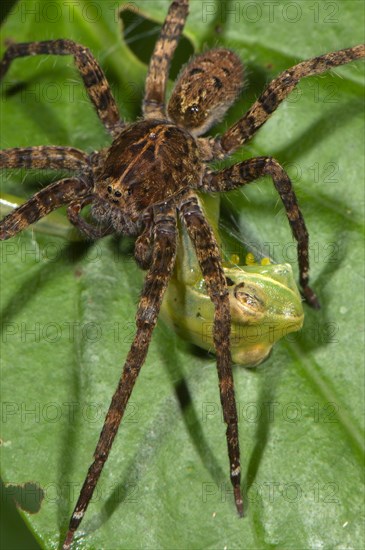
point(181, 170)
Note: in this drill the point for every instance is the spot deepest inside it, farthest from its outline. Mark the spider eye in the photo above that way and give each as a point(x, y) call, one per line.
point(194, 108)
point(117, 194)
point(110, 189)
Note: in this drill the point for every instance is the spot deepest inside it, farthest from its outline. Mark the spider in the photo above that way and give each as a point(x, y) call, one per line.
point(149, 177)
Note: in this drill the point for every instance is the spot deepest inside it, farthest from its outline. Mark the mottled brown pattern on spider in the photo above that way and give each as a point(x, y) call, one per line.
point(91, 73)
point(278, 90)
point(206, 88)
point(147, 176)
point(158, 71)
point(51, 157)
point(148, 162)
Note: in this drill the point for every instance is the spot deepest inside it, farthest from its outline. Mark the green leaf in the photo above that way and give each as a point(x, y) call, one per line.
point(68, 309)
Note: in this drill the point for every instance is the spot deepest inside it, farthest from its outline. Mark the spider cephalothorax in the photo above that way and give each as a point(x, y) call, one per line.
point(149, 162)
point(148, 177)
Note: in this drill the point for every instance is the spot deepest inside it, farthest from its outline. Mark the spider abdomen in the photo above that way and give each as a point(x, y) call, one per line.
point(205, 89)
point(147, 163)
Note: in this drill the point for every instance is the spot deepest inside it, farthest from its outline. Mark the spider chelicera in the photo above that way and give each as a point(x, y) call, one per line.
point(148, 178)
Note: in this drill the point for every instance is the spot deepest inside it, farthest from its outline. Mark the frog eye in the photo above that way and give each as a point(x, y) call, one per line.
point(248, 296)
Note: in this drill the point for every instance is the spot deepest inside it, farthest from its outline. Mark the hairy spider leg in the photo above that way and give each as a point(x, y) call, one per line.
point(157, 278)
point(210, 263)
point(90, 71)
point(42, 203)
point(48, 199)
point(158, 70)
point(250, 170)
point(44, 156)
point(277, 91)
